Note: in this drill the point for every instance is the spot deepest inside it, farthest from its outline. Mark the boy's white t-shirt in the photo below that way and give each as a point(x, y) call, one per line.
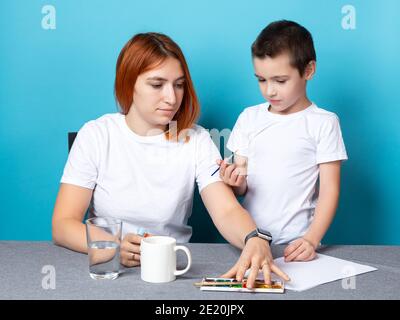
point(146, 181)
point(284, 152)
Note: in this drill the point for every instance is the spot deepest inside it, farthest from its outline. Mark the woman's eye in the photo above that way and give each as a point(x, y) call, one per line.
point(156, 86)
point(179, 85)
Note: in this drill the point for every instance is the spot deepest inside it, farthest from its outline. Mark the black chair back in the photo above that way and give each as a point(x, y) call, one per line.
point(71, 139)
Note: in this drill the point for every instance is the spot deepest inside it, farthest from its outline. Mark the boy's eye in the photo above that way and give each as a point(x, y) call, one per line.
point(281, 81)
point(261, 80)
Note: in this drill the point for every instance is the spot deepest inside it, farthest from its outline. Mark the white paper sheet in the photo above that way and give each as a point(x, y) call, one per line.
point(323, 269)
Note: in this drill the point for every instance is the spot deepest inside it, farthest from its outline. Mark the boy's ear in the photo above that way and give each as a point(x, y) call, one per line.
point(310, 70)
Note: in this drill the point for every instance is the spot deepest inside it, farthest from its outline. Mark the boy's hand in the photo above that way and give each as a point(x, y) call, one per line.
point(232, 174)
point(300, 250)
point(256, 255)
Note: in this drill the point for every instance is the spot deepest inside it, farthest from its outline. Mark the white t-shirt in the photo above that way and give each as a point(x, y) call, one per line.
point(284, 152)
point(146, 181)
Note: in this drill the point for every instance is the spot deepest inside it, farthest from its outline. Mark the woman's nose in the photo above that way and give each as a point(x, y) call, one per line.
point(169, 95)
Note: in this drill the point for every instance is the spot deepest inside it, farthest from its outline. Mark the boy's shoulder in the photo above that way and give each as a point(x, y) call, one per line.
point(253, 116)
point(255, 109)
point(252, 112)
point(321, 115)
point(321, 112)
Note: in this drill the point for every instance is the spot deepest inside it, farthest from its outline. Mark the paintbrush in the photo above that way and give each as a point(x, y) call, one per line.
point(257, 284)
point(227, 160)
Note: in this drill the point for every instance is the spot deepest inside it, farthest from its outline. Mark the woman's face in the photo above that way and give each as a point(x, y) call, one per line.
point(158, 94)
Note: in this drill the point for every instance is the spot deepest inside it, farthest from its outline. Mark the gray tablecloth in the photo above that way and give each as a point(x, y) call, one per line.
point(23, 268)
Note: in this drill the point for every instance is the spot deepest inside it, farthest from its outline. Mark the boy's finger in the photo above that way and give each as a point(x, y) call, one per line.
point(229, 170)
point(234, 177)
point(287, 251)
point(313, 255)
point(307, 255)
point(222, 169)
point(228, 160)
point(292, 247)
point(295, 253)
point(240, 180)
point(303, 256)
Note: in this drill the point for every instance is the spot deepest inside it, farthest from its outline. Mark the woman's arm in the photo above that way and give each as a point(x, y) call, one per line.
point(234, 223)
point(230, 218)
point(68, 229)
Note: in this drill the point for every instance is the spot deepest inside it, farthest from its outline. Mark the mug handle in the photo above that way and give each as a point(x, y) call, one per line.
point(186, 250)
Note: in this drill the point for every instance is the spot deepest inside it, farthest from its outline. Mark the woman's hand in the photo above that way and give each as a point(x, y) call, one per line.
point(130, 250)
point(300, 250)
point(256, 255)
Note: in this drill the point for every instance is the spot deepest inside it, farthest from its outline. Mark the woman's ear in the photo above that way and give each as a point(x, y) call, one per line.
point(310, 70)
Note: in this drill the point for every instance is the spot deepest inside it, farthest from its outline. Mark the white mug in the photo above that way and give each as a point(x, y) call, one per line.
point(158, 259)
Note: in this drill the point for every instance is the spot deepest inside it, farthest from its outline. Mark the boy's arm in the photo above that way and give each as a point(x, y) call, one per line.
point(241, 163)
point(303, 249)
point(329, 188)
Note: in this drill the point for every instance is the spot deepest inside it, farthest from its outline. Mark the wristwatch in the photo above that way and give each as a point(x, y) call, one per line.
point(263, 234)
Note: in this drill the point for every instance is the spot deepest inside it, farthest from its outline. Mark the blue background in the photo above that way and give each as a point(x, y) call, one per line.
point(53, 81)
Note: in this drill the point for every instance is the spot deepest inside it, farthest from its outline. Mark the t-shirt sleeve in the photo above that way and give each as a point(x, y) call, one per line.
point(238, 141)
point(206, 156)
point(81, 168)
point(330, 145)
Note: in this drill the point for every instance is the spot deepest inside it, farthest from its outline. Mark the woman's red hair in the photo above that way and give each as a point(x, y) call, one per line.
point(144, 52)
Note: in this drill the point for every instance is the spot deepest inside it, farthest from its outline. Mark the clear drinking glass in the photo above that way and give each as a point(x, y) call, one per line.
point(103, 240)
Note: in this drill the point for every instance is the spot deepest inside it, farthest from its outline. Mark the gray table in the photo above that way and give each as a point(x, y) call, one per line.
point(22, 264)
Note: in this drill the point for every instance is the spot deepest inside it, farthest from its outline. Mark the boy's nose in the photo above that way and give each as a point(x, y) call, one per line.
point(271, 92)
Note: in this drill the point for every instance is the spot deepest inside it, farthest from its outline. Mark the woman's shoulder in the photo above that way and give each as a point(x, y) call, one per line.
point(100, 129)
point(105, 120)
point(197, 131)
point(103, 123)
point(194, 134)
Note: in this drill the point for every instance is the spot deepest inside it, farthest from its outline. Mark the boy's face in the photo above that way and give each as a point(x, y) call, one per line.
point(281, 84)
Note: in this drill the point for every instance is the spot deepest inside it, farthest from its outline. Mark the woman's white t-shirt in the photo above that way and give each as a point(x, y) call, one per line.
point(146, 181)
point(284, 153)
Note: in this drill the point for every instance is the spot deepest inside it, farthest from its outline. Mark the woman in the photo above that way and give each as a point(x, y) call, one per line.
point(141, 165)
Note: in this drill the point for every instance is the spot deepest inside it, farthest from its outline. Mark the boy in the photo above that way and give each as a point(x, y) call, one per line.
point(283, 147)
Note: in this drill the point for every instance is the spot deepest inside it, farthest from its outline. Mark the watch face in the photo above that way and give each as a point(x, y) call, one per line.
point(264, 233)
